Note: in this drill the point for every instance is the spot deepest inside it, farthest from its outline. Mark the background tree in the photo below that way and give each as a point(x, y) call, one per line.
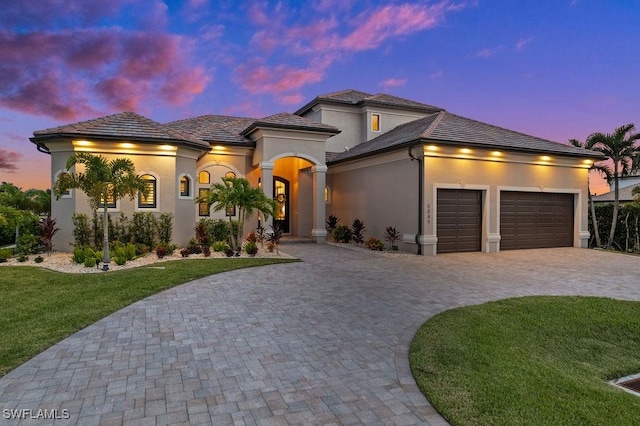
point(18, 212)
point(237, 192)
point(102, 180)
point(620, 147)
point(605, 171)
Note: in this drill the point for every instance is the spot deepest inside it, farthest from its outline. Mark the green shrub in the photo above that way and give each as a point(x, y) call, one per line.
point(78, 254)
point(89, 253)
point(251, 248)
point(220, 246)
point(121, 229)
point(38, 259)
point(120, 260)
point(194, 247)
point(90, 262)
point(341, 234)
point(28, 244)
point(81, 230)
point(203, 233)
point(130, 250)
point(5, 254)
point(184, 252)
point(220, 230)
point(23, 258)
point(144, 228)
point(163, 250)
point(165, 228)
point(374, 244)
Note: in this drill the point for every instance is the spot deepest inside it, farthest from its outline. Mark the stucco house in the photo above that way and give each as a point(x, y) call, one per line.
point(446, 182)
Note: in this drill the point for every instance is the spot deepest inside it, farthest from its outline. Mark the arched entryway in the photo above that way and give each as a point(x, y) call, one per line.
point(297, 186)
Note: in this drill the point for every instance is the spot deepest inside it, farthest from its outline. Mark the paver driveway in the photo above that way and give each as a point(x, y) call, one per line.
point(322, 341)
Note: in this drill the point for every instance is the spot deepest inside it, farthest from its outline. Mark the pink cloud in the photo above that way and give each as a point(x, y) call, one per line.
point(291, 99)
point(279, 79)
point(488, 53)
point(9, 160)
point(393, 82)
point(522, 43)
point(391, 21)
point(124, 68)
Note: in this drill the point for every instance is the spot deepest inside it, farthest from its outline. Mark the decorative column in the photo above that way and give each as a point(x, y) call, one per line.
point(319, 232)
point(266, 180)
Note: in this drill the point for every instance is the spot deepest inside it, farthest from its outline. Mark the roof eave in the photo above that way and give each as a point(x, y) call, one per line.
point(589, 155)
point(40, 139)
point(263, 125)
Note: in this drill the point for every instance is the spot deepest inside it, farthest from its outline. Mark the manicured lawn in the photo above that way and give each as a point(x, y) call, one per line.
point(531, 360)
point(38, 307)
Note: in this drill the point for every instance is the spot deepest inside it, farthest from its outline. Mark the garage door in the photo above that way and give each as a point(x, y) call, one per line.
point(535, 220)
point(459, 220)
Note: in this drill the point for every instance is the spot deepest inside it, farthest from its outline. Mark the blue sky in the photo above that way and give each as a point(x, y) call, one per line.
point(558, 70)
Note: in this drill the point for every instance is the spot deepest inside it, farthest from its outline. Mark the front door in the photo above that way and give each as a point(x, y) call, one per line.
point(281, 196)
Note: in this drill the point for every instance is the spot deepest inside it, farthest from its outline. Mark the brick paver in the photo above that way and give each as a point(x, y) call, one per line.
point(324, 341)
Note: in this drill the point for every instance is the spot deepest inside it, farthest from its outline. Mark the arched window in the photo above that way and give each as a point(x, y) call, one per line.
point(204, 177)
point(185, 186)
point(148, 201)
point(231, 210)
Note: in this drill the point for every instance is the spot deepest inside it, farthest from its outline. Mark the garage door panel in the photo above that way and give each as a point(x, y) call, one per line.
point(535, 220)
point(459, 220)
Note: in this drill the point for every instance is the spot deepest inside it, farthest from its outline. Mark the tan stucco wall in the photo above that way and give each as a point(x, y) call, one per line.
point(389, 119)
point(381, 191)
point(512, 172)
point(348, 120)
point(164, 164)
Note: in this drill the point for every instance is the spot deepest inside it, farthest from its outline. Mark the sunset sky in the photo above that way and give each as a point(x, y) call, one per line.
point(559, 69)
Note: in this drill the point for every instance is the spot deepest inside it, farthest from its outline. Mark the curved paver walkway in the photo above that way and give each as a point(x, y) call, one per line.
point(323, 341)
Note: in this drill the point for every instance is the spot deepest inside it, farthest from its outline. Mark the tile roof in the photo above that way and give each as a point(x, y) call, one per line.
point(625, 195)
point(357, 98)
point(215, 128)
point(290, 121)
point(124, 126)
point(454, 129)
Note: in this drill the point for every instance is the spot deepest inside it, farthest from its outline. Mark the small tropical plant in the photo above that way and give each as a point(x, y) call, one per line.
point(251, 248)
point(357, 231)
point(341, 234)
point(48, 230)
point(163, 250)
point(332, 222)
point(276, 235)
point(23, 258)
point(374, 244)
point(220, 246)
point(251, 237)
point(194, 247)
point(206, 251)
point(270, 247)
point(392, 235)
point(203, 234)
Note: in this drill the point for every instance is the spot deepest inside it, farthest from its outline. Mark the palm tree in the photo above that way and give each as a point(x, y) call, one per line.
point(102, 181)
point(620, 147)
point(237, 192)
point(605, 171)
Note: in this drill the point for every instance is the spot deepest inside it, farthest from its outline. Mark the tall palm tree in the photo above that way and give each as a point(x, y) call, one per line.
point(605, 171)
point(237, 192)
point(620, 147)
point(102, 180)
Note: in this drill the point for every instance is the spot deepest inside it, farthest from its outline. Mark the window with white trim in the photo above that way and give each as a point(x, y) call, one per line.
point(185, 186)
point(148, 200)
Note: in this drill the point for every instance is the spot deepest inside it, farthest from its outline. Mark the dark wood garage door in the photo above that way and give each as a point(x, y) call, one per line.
point(459, 220)
point(535, 220)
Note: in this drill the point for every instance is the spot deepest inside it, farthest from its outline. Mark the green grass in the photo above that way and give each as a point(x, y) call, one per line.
point(531, 360)
point(38, 307)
